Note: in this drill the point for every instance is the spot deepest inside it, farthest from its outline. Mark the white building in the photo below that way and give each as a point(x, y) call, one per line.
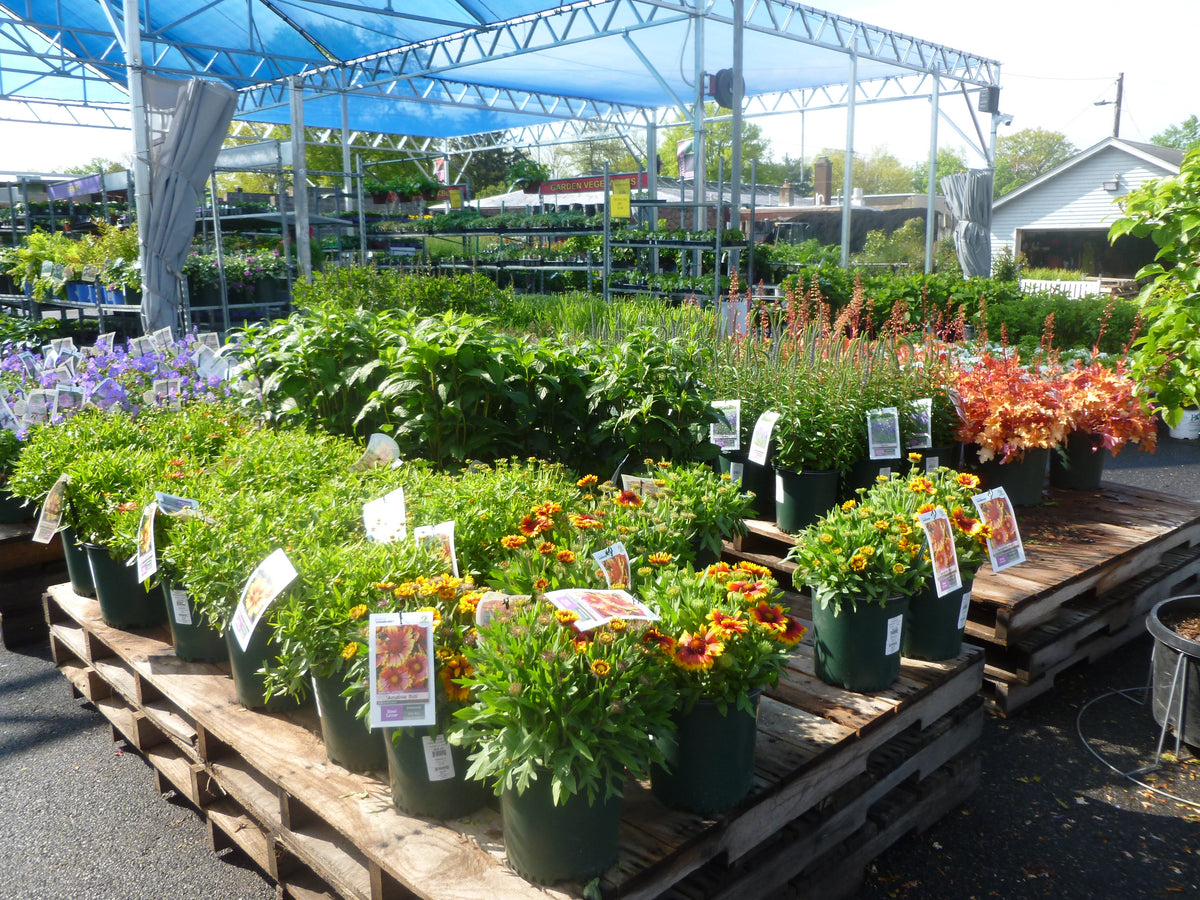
point(1060, 220)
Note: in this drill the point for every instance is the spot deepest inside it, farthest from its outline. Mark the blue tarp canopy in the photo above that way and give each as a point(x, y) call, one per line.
point(445, 68)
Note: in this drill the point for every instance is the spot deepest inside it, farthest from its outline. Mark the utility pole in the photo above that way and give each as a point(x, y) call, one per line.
point(1117, 110)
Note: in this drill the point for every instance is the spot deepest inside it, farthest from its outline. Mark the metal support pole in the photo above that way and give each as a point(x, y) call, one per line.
point(103, 198)
point(930, 211)
point(300, 179)
point(848, 168)
point(281, 205)
point(347, 178)
point(220, 256)
point(699, 179)
point(362, 215)
point(606, 261)
point(750, 228)
point(141, 131)
point(12, 205)
point(735, 167)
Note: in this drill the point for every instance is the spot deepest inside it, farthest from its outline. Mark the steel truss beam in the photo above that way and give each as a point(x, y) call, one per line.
point(62, 112)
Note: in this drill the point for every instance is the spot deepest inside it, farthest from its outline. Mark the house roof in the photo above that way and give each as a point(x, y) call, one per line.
point(1165, 158)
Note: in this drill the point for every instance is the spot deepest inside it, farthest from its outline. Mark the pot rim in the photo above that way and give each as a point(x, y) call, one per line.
point(1169, 636)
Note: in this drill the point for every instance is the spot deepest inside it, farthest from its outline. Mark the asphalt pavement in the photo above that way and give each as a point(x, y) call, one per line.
point(80, 818)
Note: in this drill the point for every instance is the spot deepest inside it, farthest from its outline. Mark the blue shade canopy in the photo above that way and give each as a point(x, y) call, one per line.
point(444, 68)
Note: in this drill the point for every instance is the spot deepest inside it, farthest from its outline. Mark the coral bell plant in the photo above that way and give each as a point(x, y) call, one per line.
point(1105, 402)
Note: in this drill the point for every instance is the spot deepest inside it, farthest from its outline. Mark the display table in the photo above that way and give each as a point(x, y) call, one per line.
point(840, 777)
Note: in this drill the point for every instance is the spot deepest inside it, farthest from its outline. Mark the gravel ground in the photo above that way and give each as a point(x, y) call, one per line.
point(80, 817)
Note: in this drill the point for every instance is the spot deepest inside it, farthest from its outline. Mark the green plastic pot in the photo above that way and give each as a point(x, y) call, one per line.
point(1021, 479)
point(864, 472)
point(349, 741)
point(576, 841)
point(755, 478)
point(803, 497)
point(124, 601)
point(413, 789)
point(712, 765)
point(851, 649)
point(78, 571)
point(244, 666)
point(12, 509)
point(194, 638)
point(933, 628)
point(1079, 465)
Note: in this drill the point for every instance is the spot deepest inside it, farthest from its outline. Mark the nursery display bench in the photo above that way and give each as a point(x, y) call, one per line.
point(1096, 562)
point(839, 778)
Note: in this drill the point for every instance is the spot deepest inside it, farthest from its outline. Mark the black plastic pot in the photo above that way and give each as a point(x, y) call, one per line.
point(195, 640)
point(349, 740)
point(931, 628)
point(1080, 464)
point(1175, 664)
point(851, 649)
point(78, 570)
point(414, 790)
point(712, 766)
point(124, 601)
point(803, 497)
point(760, 480)
point(1021, 479)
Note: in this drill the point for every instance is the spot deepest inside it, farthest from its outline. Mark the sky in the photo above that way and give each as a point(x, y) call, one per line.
point(1058, 59)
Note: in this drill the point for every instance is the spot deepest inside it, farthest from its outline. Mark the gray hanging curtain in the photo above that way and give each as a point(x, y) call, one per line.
point(181, 162)
point(969, 196)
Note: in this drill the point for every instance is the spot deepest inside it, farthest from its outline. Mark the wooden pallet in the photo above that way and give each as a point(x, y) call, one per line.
point(1096, 562)
point(26, 570)
point(828, 762)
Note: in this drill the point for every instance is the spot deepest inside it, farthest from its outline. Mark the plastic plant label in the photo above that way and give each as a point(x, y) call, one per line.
point(735, 472)
point(104, 342)
point(883, 433)
point(39, 406)
point(922, 417)
point(8, 418)
point(386, 519)
point(317, 699)
point(106, 394)
point(613, 561)
point(140, 346)
point(265, 583)
point(727, 434)
point(50, 518)
point(180, 608)
point(67, 401)
point(643, 487)
point(595, 608)
point(161, 339)
point(147, 558)
point(894, 627)
point(931, 463)
point(401, 667)
point(760, 440)
point(380, 451)
point(962, 610)
point(1004, 546)
point(439, 538)
point(940, 536)
point(778, 488)
point(439, 764)
point(209, 339)
point(170, 505)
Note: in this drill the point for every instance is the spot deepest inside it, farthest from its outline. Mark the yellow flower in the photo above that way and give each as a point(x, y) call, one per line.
point(600, 668)
point(882, 524)
point(566, 616)
point(914, 457)
point(659, 559)
point(858, 562)
point(826, 538)
point(357, 612)
point(899, 568)
point(350, 650)
point(849, 505)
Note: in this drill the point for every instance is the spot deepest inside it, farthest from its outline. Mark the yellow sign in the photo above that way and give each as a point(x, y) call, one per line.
point(619, 203)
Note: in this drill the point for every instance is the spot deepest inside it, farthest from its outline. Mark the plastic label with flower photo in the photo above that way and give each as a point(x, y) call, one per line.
point(401, 669)
point(596, 608)
point(1005, 548)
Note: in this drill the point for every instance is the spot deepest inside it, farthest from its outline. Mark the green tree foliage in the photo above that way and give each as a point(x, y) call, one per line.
point(876, 173)
point(94, 165)
point(1023, 156)
point(1184, 136)
point(949, 161)
point(589, 157)
point(718, 144)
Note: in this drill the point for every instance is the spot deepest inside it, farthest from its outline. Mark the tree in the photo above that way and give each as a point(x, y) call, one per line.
point(1183, 136)
point(877, 173)
point(1024, 155)
point(948, 162)
point(718, 144)
point(96, 164)
point(589, 157)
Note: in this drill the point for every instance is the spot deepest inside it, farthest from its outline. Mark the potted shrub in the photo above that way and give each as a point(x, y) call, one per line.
point(558, 719)
point(723, 638)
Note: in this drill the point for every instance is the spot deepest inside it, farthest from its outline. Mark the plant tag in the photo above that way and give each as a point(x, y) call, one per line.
point(922, 418)
point(778, 488)
point(894, 626)
point(962, 610)
point(104, 342)
point(147, 559)
point(179, 606)
point(613, 561)
point(643, 487)
point(140, 346)
point(760, 440)
point(931, 463)
point(39, 406)
point(165, 392)
point(161, 339)
point(380, 451)
point(62, 346)
point(265, 583)
point(50, 518)
point(67, 401)
point(401, 664)
point(106, 394)
point(595, 608)
point(29, 361)
point(440, 539)
point(883, 433)
point(89, 273)
point(885, 472)
point(8, 418)
point(727, 433)
point(170, 505)
point(386, 519)
point(1004, 546)
point(209, 339)
point(317, 699)
point(940, 536)
point(439, 764)
point(735, 472)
